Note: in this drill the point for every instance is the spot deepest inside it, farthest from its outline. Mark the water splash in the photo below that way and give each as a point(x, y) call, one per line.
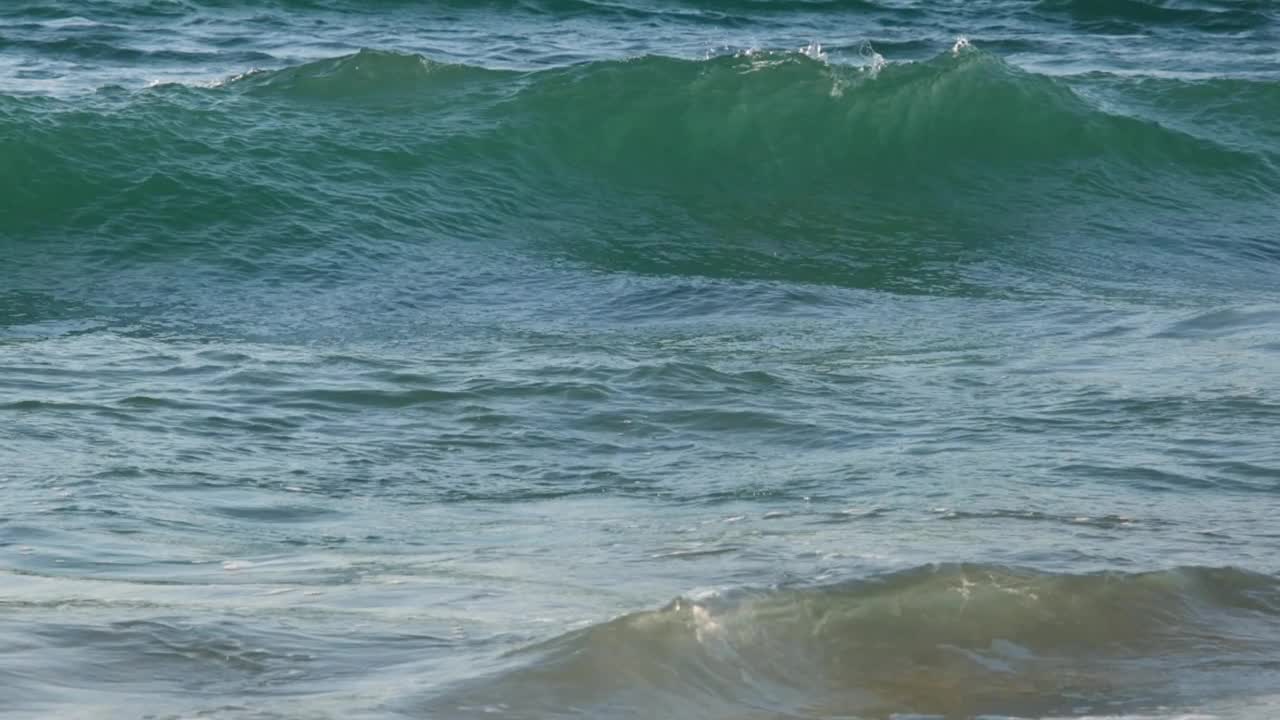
point(814, 51)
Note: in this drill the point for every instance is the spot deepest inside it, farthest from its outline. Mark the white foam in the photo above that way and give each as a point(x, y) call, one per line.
point(872, 61)
point(814, 51)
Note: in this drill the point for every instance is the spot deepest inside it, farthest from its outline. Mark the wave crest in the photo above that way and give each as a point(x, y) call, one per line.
point(361, 75)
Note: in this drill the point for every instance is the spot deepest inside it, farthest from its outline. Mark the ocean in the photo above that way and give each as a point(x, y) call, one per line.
point(639, 359)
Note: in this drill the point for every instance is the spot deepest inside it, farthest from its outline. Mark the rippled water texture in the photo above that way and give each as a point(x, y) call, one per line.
point(748, 360)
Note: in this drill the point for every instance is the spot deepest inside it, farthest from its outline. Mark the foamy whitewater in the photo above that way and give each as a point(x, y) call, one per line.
point(538, 359)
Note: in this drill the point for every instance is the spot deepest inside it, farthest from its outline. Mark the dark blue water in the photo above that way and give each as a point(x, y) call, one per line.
point(745, 360)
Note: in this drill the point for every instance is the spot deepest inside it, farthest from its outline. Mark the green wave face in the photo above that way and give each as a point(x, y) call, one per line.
point(782, 118)
point(761, 165)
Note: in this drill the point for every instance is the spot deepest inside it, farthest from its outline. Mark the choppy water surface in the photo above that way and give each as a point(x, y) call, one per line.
point(732, 361)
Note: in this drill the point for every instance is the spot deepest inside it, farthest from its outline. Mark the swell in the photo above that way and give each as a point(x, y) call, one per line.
point(1202, 14)
point(1128, 15)
point(953, 640)
point(159, 7)
point(774, 114)
point(100, 50)
point(774, 121)
point(843, 163)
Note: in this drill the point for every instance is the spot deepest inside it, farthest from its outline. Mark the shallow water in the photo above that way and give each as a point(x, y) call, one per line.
point(639, 359)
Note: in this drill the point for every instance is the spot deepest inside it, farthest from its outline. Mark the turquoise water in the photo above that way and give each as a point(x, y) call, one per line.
point(643, 359)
